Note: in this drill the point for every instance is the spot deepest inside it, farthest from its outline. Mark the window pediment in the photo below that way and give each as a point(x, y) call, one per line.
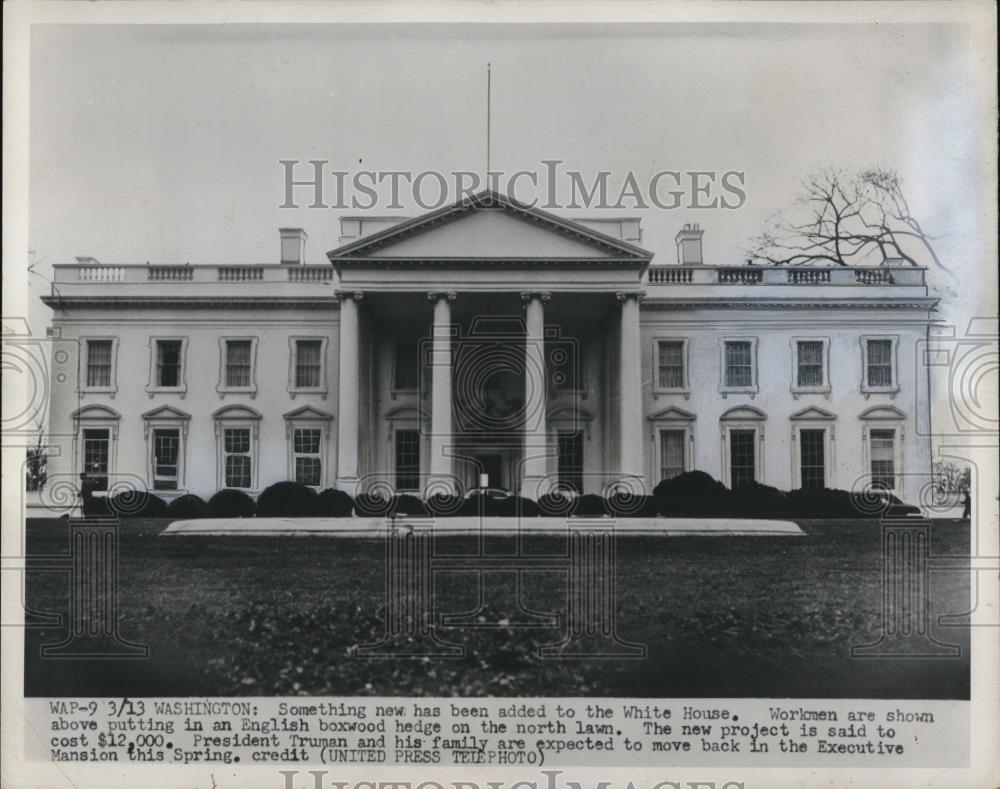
point(308, 412)
point(236, 412)
point(569, 414)
point(882, 412)
point(406, 412)
point(743, 413)
point(96, 412)
point(672, 413)
point(167, 412)
point(813, 414)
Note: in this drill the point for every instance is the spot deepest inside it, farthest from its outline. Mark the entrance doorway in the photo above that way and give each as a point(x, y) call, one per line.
point(494, 465)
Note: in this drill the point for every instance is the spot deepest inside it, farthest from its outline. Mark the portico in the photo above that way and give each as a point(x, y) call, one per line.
point(467, 360)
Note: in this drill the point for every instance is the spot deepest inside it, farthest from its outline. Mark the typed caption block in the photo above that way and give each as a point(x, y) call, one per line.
point(534, 732)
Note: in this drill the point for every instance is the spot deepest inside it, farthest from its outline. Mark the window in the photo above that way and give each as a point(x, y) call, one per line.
point(571, 461)
point(308, 363)
point(406, 368)
point(810, 364)
point(739, 364)
point(96, 451)
point(670, 364)
point(672, 451)
point(742, 457)
point(238, 463)
point(407, 460)
point(878, 372)
point(308, 463)
point(812, 458)
point(238, 360)
point(883, 459)
point(99, 358)
point(168, 363)
point(166, 459)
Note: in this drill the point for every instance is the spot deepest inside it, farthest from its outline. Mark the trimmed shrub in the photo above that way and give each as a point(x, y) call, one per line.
point(230, 503)
point(408, 504)
point(333, 503)
point(137, 504)
point(525, 507)
point(372, 505)
point(629, 505)
point(590, 505)
point(491, 505)
point(692, 494)
point(187, 506)
point(441, 505)
point(286, 499)
point(557, 504)
point(754, 500)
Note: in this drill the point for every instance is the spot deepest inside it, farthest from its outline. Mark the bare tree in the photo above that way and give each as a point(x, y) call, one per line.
point(846, 219)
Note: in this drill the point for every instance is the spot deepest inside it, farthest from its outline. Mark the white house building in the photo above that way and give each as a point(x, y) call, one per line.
point(487, 338)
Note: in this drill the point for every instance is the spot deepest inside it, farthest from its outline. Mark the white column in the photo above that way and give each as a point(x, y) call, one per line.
point(441, 461)
point(535, 460)
point(349, 416)
point(631, 454)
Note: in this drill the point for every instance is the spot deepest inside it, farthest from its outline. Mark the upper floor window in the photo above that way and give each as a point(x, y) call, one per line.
point(239, 361)
point(99, 363)
point(670, 364)
point(878, 364)
point(739, 364)
point(308, 363)
point(406, 367)
point(809, 373)
point(565, 365)
point(168, 363)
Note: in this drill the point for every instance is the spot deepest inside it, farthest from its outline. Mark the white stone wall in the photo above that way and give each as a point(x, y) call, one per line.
point(203, 330)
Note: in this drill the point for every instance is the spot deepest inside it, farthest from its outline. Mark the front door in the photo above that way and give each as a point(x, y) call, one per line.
point(493, 466)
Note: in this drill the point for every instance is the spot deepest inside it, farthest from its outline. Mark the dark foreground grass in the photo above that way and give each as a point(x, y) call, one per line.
point(719, 616)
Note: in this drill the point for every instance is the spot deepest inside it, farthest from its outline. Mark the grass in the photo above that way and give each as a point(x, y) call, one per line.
point(720, 616)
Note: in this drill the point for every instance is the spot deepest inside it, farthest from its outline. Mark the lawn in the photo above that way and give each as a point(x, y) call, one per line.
point(719, 616)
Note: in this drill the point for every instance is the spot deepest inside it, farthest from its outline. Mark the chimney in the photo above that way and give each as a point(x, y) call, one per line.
point(293, 246)
point(689, 245)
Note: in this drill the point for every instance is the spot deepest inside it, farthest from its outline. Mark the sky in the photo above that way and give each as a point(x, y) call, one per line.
point(162, 143)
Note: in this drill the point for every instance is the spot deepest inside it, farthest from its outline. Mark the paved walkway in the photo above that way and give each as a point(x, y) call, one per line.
point(377, 527)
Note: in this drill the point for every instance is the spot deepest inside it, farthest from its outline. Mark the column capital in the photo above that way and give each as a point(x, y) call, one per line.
point(436, 295)
point(625, 295)
point(357, 295)
point(542, 295)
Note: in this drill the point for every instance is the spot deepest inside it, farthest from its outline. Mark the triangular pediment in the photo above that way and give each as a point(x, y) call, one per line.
point(672, 413)
point(743, 413)
point(308, 412)
point(813, 413)
point(166, 412)
point(489, 226)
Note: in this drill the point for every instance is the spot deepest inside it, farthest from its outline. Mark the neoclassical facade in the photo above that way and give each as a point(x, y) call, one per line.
point(487, 342)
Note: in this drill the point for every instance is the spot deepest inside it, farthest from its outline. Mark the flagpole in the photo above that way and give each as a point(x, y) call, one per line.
point(489, 80)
